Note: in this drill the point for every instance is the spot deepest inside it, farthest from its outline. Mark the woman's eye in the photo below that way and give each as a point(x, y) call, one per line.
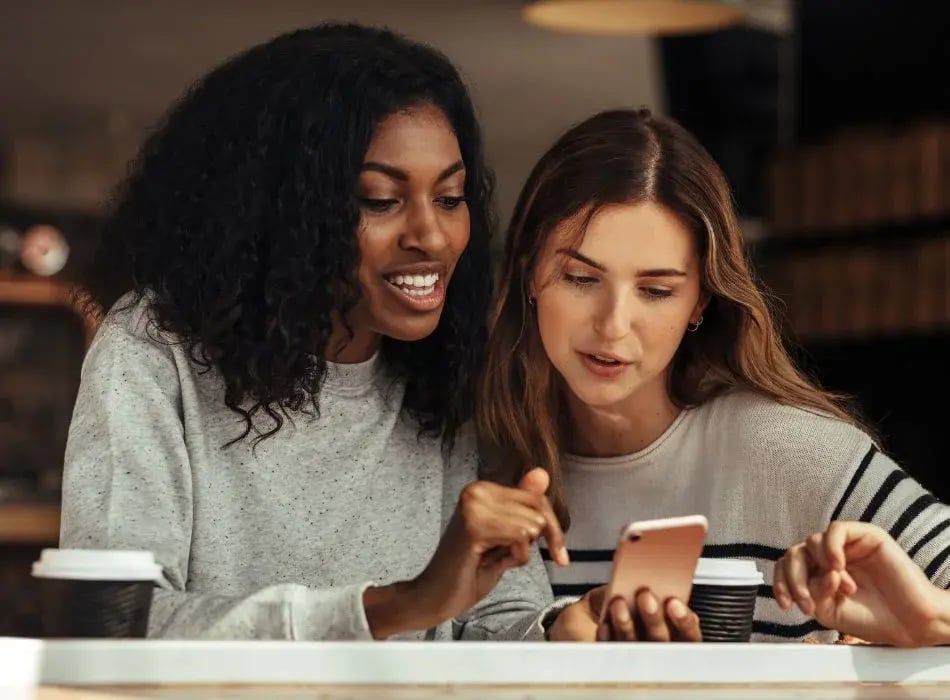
point(580, 280)
point(378, 206)
point(450, 202)
point(657, 292)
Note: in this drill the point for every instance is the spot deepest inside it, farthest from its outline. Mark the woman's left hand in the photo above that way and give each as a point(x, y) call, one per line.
point(856, 579)
point(648, 622)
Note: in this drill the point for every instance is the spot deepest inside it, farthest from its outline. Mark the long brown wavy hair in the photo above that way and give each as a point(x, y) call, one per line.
point(624, 157)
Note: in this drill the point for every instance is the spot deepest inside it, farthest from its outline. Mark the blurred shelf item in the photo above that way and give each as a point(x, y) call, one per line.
point(29, 524)
point(44, 250)
point(861, 176)
point(859, 241)
point(864, 291)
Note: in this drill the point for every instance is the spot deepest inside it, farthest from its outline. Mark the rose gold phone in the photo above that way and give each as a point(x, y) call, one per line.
point(657, 554)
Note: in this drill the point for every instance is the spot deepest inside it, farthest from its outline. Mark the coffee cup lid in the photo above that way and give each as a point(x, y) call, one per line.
point(97, 565)
point(727, 572)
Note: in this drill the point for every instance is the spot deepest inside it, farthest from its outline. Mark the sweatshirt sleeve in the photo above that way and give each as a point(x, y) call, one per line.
point(878, 491)
point(127, 485)
point(515, 607)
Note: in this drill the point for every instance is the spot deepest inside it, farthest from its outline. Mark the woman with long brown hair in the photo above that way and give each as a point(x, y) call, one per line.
point(633, 355)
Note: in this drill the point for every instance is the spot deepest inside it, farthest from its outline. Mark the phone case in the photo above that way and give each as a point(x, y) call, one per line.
point(657, 554)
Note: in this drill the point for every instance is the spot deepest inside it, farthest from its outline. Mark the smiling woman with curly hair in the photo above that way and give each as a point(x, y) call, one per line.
point(293, 282)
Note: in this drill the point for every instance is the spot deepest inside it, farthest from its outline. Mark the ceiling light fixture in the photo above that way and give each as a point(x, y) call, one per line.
point(620, 17)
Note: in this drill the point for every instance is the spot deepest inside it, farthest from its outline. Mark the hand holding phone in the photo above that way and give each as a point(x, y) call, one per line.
point(651, 580)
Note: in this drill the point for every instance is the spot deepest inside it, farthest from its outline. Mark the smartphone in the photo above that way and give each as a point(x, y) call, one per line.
point(657, 554)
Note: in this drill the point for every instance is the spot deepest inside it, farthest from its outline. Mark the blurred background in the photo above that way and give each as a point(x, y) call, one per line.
point(831, 119)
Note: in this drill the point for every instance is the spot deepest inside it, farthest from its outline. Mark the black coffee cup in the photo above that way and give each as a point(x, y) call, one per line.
point(723, 595)
point(95, 593)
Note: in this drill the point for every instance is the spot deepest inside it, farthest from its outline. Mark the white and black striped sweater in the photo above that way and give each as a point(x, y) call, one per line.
point(766, 476)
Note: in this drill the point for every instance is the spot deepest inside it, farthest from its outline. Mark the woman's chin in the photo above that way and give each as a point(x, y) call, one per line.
point(600, 397)
point(409, 330)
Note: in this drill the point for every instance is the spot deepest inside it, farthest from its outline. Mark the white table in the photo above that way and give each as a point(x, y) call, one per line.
point(109, 670)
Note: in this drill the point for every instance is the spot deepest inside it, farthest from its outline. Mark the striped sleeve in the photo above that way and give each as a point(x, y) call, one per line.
point(880, 492)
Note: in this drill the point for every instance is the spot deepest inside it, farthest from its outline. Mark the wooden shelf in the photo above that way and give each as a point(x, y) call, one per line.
point(881, 234)
point(27, 289)
point(30, 290)
point(29, 524)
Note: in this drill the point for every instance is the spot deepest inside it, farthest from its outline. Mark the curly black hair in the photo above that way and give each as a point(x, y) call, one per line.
point(239, 218)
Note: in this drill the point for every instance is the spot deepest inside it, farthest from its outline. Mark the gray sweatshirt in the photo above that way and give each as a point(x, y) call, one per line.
point(277, 541)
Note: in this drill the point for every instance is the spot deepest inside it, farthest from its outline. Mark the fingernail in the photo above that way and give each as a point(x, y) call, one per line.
point(623, 615)
point(678, 610)
point(649, 605)
point(562, 552)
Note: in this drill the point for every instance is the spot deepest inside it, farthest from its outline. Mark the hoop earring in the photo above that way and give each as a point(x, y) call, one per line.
point(693, 327)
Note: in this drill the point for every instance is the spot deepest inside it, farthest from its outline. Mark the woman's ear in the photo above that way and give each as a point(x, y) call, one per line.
point(699, 310)
point(696, 318)
point(532, 289)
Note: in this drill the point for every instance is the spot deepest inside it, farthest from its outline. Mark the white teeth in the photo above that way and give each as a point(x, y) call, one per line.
point(414, 281)
point(425, 292)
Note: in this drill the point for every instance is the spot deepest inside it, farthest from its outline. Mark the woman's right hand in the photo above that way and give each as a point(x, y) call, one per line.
point(855, 578)
point(492, 530)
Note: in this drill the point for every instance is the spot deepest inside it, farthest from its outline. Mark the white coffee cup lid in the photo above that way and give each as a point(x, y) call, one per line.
point(97, 565)
point(727, 572)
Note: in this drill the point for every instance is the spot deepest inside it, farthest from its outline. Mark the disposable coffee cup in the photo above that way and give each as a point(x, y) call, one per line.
point(95, 593)
point(723, 595)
